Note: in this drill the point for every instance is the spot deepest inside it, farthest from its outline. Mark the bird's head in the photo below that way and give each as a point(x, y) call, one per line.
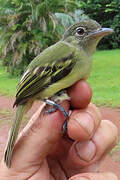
point(86, 34)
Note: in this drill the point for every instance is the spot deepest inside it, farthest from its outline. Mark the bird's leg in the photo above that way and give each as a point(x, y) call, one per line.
point(57, 106)
point(53, 109)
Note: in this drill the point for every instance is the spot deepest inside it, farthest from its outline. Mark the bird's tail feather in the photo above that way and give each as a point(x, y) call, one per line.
point(13, 134)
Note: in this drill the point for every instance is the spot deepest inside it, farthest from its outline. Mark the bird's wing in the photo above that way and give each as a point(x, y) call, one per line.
point(41, 75)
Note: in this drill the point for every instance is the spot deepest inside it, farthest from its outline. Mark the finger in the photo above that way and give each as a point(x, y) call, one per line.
point(42, 173)
point(38, 138)
point(83, 123)
point(86, 153)
point(95, 176)
point(80, 94)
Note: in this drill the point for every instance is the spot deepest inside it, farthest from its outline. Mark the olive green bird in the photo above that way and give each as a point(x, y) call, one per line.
point(55, 69)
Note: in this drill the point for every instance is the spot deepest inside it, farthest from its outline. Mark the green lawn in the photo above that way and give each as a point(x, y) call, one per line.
point(8, 83)
point(104, 79)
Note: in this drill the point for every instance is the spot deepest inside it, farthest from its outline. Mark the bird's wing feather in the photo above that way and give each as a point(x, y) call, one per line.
point(41, 75)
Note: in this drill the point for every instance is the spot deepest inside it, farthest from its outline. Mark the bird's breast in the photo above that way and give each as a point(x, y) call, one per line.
point(81, 70)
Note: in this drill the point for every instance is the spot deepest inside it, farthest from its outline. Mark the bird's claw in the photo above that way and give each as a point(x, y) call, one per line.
point(57, 106)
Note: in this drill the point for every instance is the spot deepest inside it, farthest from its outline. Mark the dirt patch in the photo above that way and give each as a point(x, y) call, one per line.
point(110, 163)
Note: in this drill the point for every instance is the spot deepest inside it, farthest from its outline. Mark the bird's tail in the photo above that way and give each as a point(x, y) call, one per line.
point(13, 134)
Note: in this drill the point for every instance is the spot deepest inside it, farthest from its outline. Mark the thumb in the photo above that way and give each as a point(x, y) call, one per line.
point(38, 138)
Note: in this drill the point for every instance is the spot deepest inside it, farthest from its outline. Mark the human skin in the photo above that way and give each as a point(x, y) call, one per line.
point(43, 152)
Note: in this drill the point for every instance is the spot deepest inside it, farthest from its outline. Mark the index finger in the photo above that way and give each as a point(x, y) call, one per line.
point(80, 94)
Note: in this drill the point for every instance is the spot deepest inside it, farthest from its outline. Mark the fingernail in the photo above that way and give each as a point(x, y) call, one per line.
point(79, 178)
point(86, 121)
point(82, 178)
point(86, 150)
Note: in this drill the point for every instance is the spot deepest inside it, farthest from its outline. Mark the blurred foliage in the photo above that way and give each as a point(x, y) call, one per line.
point(28, 27)
point(107, 13)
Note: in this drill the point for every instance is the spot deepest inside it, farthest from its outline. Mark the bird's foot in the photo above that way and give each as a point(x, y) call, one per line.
point(53, 109)
point(57, 106)
point(64, 127)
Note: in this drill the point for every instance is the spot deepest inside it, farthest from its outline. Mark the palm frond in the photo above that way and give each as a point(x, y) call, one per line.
point(43, 24)
point(53, 19)
point(65, 19)
point(16, 36)
point(28, 27)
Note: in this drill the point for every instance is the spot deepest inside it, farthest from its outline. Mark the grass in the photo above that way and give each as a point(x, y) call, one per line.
point(104, 79)
point(8, 83)
point(115, 152)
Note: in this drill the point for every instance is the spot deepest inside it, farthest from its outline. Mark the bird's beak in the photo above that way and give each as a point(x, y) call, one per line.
point(102, 32)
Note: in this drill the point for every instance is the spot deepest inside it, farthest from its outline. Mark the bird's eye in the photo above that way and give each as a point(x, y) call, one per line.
point(80, 31)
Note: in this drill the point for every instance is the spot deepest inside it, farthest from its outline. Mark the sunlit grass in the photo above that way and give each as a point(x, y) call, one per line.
point(105, 78)
point(8, 83)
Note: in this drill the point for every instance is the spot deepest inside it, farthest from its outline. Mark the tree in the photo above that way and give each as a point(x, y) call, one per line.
point(107, 13)
point(28, 27)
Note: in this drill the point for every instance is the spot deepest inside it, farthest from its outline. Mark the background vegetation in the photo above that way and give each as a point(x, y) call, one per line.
point(107, 13)
point(28, 27)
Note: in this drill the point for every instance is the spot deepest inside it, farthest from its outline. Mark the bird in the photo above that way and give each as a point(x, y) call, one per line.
point(54, 70)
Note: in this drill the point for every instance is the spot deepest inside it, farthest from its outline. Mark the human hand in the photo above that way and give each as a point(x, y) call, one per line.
point(42, 152)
